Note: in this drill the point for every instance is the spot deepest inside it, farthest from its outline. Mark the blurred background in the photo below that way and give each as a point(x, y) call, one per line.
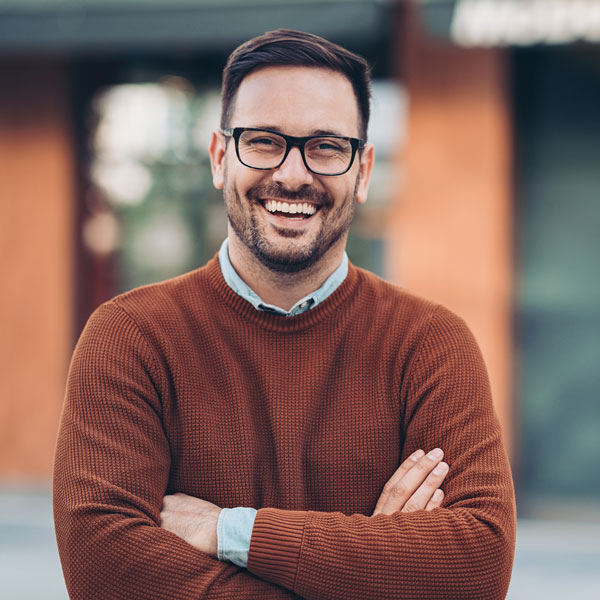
point(486, 198)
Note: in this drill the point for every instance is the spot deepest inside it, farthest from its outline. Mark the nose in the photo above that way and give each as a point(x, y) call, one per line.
point(293, 173)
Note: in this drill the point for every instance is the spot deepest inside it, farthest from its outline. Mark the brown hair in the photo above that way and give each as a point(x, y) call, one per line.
point(284, 47)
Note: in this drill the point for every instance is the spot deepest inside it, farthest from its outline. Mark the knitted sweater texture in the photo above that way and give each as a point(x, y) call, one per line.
point(183, 386)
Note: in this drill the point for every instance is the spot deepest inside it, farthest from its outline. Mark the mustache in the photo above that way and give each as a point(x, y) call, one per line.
point(274, 189)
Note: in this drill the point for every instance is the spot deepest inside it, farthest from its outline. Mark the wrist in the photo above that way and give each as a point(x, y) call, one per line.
point(234, 531)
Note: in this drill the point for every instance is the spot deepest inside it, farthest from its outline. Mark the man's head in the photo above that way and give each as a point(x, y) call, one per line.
point(288, 156)
point(286, 47)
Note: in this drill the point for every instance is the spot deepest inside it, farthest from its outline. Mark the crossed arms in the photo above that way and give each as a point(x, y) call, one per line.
point(414, 486)
point(110, 483)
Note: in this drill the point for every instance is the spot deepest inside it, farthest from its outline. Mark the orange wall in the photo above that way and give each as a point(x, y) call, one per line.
point(450, 234)
point(36, 261)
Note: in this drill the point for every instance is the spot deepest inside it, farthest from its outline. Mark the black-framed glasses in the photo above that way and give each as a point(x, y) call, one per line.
point(322, 154)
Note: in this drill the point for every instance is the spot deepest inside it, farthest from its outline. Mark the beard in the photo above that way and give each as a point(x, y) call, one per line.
point(298, 254)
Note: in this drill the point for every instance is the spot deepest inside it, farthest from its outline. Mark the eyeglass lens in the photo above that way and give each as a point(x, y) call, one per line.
point(264, 150)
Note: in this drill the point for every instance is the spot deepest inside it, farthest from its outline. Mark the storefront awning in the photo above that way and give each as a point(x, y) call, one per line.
point(215, 25)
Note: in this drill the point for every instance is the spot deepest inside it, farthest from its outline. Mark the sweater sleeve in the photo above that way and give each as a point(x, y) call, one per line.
point(111, 471)
point(462, 550)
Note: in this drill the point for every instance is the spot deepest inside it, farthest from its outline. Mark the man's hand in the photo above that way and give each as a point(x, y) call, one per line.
point(192, 519)
point(415, 485)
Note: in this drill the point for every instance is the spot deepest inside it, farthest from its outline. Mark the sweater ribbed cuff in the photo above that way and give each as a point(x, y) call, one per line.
point(275, 545)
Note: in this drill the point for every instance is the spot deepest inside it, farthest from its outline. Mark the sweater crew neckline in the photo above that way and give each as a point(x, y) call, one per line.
point(275, 322)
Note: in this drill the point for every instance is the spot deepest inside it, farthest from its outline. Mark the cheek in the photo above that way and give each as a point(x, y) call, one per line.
point(343, 195)
point(244, 179)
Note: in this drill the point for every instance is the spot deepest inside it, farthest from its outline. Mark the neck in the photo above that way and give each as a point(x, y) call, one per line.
point(282, 289)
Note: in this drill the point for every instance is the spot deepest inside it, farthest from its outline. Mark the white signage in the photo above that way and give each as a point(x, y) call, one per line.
point(525, 22)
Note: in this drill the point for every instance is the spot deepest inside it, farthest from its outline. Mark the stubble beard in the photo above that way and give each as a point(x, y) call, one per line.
point(289, 258)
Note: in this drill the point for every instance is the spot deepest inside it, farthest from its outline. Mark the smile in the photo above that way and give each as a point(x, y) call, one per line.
point(303, 210)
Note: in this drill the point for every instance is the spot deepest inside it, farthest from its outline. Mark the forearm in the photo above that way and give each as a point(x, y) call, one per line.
point(444, 554)
point(111, 546)
point(152, 565)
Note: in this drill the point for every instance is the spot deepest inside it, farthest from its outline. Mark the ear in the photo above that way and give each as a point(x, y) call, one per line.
point(216, 150)
point(367, 160)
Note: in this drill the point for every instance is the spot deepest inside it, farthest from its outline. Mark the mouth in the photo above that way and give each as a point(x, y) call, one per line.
point(290, 210)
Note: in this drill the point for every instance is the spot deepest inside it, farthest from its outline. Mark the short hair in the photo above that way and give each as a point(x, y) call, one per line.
point(287, 47)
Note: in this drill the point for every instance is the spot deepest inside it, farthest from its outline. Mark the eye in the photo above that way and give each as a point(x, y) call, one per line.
point(263, 141)
point(328, 146)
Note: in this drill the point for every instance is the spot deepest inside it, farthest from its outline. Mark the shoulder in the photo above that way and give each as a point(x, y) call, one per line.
point(392, 301)
point(173, 297)
point(160, 295)
point(417, 321)
point(169, 305)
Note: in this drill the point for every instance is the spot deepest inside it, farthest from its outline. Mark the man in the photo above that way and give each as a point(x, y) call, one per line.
point(272, 424)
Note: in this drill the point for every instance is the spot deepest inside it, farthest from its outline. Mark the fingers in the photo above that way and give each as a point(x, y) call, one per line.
point(426, 491)
point(436, 500)
point(414, 484)
point(400, 472)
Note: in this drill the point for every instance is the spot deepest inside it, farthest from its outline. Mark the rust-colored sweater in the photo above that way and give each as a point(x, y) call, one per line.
point(183, 386)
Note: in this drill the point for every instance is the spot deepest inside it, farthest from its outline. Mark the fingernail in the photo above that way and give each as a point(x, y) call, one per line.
point(417, 455)
point(441, 468)
point(438, 494)
point(436, 454)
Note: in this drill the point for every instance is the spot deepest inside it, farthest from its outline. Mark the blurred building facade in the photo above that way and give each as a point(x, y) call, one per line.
point(486, 199)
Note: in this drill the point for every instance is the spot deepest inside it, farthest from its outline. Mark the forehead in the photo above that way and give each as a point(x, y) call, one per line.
point(297, 100)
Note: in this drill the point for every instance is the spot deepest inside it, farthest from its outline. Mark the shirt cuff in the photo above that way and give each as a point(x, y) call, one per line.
point(234, 530)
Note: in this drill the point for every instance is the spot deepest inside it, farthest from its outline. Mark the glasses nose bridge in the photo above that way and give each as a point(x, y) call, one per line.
point(294, 142)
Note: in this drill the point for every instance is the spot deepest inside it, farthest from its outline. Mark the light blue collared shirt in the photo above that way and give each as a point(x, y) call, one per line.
point(234, 526)
point(235, 282)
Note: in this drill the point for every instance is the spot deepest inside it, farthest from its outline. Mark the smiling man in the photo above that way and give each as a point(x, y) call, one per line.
point(280, 423)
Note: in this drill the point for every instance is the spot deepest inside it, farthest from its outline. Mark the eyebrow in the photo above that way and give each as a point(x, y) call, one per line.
point(313, 132)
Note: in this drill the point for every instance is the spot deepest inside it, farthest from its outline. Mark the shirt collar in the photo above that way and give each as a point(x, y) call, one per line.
point(235, 282)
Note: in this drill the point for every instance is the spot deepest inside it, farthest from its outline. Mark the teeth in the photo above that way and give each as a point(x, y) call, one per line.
point(292, 208)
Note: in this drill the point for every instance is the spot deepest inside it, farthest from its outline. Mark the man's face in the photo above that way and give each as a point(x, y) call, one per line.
point(298, 101)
